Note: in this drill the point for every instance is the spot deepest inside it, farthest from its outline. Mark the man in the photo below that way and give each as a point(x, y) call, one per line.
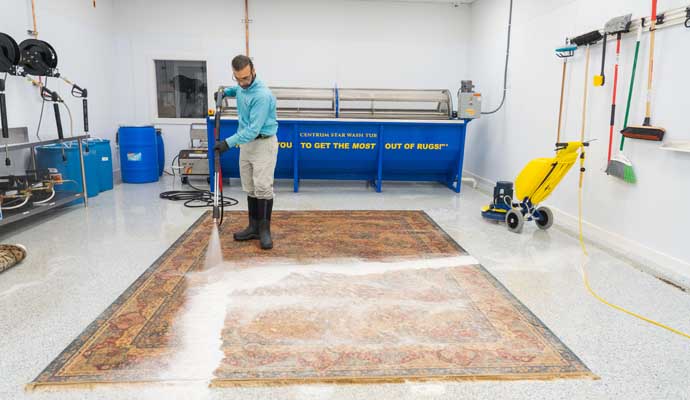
point(256, 136)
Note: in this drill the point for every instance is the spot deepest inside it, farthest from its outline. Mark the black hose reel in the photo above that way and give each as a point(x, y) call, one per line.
point(9, 54)
point(38, 58)
point(9, 58)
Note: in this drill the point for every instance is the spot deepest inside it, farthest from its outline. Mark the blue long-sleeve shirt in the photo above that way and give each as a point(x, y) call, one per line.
point(256, 109)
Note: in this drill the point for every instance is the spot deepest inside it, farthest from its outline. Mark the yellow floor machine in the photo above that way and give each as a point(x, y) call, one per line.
point(534, 184)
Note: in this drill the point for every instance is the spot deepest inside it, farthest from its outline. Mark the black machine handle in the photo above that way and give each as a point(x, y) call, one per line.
point(3, 116)
point(79, 92)
point(58, 121)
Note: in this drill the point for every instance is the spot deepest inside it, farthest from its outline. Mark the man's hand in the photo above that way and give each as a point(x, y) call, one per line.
point(221, 146)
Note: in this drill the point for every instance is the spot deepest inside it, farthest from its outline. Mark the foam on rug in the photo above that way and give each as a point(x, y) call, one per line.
point(344, 297)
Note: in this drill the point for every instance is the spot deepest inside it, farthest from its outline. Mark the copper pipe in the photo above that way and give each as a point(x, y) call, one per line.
point(33, 14)
point(246, 26)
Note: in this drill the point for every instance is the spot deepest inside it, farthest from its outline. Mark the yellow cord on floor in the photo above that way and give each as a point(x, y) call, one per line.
point(601, 299)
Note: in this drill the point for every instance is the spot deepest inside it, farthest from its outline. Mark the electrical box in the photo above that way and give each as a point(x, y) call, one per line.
point(469, 102)
point(197, 136)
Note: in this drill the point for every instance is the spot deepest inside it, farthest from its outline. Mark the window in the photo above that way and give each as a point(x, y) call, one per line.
point(181, 89)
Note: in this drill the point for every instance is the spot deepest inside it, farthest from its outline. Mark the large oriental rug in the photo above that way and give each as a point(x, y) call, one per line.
point(345, 296)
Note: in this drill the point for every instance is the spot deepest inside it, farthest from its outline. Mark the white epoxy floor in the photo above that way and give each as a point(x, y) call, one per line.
point(80, 260)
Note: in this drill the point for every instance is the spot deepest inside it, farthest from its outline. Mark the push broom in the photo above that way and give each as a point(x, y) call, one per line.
point(620, 166)
point(647, 131)
point(616, 26)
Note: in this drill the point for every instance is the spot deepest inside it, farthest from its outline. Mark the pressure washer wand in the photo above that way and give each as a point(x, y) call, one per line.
point(217, 172)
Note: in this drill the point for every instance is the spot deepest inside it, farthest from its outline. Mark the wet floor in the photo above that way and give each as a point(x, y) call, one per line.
point(80, 260)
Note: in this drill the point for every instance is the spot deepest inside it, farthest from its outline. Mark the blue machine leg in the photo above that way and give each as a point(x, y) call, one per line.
point(379, 168)
point(461, 157)
point(295, 162)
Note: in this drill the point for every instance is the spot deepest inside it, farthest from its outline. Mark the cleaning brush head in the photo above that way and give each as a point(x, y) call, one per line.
point(565, 51)
point(644, 132)
point(587, 38)
point(618, 25)
point(620, 167)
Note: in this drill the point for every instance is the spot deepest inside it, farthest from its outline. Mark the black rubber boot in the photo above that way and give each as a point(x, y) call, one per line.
point(265, 209)
point(252, 231)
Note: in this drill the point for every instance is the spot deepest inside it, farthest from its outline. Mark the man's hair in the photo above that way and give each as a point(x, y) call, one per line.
point(241, 61)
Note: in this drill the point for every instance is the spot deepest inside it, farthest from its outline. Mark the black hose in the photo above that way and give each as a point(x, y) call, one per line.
point(197, 198)
point(505, 70)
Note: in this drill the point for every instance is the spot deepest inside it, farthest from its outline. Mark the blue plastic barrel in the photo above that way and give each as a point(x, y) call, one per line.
point(138, 154)
point(161, 151)
point(104, 159)
point(51, 156)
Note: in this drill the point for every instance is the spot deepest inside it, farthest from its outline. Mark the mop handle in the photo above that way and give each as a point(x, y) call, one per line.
point(615, 93)
point(652, 35)
point(560, 108)
point(632, 82)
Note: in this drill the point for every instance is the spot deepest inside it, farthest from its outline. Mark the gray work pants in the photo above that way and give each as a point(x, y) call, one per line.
point(257, 166)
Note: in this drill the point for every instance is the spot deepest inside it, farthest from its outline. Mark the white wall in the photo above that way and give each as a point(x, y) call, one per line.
point(299, 42)
point(649, 214)
point(82, 38)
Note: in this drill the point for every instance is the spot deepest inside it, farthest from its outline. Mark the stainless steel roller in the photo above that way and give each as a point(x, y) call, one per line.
point(329, 103)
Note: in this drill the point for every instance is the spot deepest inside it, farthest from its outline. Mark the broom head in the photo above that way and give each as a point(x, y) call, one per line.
point(621, 168)
point(644, 132)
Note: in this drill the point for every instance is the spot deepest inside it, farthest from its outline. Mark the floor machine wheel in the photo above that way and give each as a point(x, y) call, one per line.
point(543, 217)
point(515, 221)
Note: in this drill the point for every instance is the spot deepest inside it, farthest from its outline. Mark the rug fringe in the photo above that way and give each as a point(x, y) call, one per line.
point(227, 383)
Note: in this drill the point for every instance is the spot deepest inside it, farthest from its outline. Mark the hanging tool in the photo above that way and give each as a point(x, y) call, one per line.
point(588, 39)
point(584, 117)
point(51, 96)
point(600, 79)
point(217, 172)
point(564, 53)
point(83, 94)
point(616, 26)
point(620, 166)
point(647, 131)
